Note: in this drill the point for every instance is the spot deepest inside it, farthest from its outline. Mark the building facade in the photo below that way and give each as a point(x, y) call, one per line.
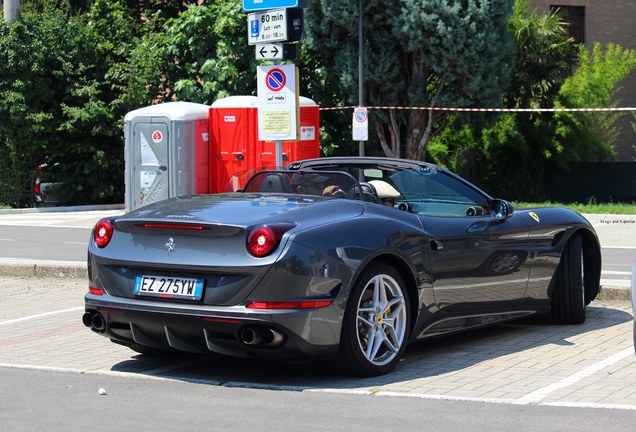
point(605, 21)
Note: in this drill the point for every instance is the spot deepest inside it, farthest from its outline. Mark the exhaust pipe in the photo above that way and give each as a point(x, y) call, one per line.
point(273, 337)
point(255, 336)
point(251, 336)
point(94, 320)
point(98, 322)
point(87, 319)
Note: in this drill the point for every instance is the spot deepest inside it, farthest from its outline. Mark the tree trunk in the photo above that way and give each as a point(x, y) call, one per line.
point(418, 124)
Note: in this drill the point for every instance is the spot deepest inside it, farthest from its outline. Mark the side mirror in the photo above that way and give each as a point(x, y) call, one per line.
point(500, 209)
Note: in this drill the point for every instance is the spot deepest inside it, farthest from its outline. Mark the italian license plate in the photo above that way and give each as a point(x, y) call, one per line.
point(168, 287)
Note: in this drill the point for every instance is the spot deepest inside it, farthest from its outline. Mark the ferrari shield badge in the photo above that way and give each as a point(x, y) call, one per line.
point(534, 216)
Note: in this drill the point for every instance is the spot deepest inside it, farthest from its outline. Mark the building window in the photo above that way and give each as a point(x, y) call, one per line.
point(575, 17)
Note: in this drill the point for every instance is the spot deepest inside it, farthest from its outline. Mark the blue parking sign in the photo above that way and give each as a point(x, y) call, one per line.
point(254, 28)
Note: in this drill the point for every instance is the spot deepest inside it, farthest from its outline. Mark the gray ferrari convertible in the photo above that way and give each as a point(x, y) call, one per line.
point(344, 259)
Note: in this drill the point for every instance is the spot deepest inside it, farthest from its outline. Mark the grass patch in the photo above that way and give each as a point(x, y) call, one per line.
point(590, 207)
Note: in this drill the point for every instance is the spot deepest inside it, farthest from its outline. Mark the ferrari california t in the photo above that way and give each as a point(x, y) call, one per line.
point(342, 259)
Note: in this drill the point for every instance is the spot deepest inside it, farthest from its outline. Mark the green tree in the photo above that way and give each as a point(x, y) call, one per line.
point(36, 52)
point(517, 147)
point(91, 155)
point(545, 56)
point(64, 95)
point(417, 53)
point(511, 156)
point(200, 55)
point(590, 136)
point(72, 70)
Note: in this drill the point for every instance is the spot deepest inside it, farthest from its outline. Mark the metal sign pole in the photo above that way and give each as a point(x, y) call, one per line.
point(279, 143)
point(276, 21)
point(11, 9)
point(361, 65)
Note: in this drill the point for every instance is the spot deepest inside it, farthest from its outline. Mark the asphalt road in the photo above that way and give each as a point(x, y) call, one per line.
point(164, 405)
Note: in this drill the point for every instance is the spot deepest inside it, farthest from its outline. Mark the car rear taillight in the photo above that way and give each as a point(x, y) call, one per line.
point(95, 291)
point(307, 304)
point(264, 239)
point(103, 232)
point(173, 226)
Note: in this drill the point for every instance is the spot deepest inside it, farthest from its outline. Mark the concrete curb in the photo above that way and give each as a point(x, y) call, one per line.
point(44, 271)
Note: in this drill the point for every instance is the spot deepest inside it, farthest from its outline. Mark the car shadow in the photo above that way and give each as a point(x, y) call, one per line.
point(434, 357)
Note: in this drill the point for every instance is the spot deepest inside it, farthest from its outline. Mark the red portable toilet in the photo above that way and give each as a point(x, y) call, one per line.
point(166, 152)
point(236, 152)
point(233, 134)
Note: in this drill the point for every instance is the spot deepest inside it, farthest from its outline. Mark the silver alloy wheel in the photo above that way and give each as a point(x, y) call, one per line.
point(381, 319)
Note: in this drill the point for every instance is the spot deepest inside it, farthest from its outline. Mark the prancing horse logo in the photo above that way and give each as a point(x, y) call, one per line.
point(169, 246)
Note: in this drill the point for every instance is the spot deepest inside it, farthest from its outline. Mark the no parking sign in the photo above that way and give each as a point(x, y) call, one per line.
point(360, 126)
point(277, 103)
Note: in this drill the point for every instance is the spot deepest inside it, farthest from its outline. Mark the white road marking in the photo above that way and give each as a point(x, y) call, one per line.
point(45, 314)
point(590, 405)
point(619, 247)
point(542, 393)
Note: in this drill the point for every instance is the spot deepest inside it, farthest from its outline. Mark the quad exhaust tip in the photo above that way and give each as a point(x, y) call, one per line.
point(94, 321)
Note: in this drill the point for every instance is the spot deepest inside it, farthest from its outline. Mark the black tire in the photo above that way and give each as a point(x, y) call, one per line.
point(378, 307)
point(568, 292)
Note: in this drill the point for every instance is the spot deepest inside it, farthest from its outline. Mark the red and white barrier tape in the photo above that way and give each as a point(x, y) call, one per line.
point(482, 109)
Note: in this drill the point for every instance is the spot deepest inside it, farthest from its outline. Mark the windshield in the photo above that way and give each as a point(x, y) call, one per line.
point(423, 190)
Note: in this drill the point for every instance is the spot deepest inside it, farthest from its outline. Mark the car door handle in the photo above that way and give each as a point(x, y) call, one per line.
point(477, 227)
point(436, 245)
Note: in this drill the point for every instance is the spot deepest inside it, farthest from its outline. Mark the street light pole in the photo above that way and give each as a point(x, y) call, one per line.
point(361, 65)
point(11, 9)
